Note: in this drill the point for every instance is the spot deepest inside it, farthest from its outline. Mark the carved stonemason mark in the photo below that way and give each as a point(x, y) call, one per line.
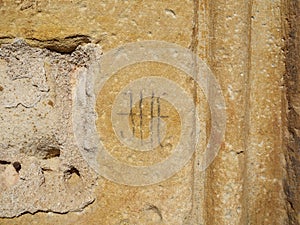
point(139, 119)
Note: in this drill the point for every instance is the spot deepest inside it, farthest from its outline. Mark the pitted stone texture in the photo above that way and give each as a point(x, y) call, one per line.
point(40, 165)
point(242, 42)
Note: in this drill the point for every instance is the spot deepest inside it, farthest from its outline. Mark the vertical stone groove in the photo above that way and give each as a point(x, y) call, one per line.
point(263, 195)
point(246, 125)
point(194, 214)
point(292, 83)
point(195, 30)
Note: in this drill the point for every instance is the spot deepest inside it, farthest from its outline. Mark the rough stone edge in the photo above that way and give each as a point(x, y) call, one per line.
point(87, 68)
point(292, 106)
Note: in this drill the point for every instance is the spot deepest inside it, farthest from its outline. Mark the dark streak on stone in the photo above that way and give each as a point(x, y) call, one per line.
point(292, 81)
point(4, 162)
point(131, 114)
point(195, 30)
point(156, 210)
point(158, 122)
point(152, 116)
point(141, 115)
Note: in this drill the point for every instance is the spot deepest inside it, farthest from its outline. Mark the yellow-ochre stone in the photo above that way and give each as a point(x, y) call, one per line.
point(48, 51)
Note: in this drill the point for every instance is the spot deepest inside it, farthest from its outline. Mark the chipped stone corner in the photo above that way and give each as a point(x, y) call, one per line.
point(41, 167)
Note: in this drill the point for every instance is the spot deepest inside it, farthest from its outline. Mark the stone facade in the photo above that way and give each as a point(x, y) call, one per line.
point(48, 47)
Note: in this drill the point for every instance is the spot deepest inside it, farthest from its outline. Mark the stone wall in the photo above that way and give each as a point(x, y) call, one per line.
point(292, 182)
point(51, 51)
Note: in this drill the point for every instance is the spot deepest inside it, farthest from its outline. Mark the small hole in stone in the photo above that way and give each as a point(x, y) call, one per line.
point(17, 166)
point(50, 103)
point(72, 176)
point(1, 88)
point(46, 147)
point(47, 169)
point(52, 152)
point(71, 171)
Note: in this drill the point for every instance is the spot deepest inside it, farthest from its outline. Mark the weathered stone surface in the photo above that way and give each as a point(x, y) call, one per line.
point(40, 162)
point(255, 177)
point(292, 182)
point(62, 25)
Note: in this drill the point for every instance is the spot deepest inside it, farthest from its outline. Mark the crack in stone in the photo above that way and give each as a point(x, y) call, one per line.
point(27, 106)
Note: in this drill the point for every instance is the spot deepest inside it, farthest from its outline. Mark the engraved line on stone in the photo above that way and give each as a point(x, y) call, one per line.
point(141, 115)
point(152, 116)
point(158, 122)
point(131, 114)
point(135, 52)
point(155, 102)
